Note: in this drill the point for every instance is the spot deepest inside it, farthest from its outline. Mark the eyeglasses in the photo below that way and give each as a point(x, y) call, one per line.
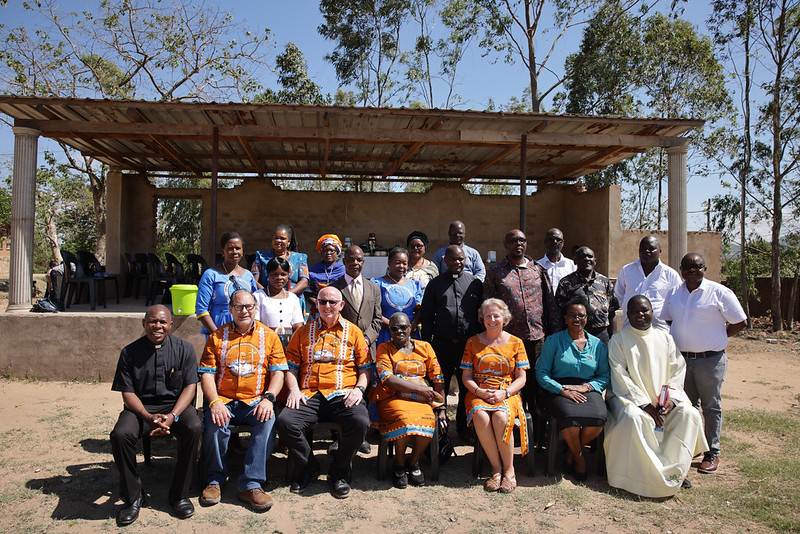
point(691, 266)
point(517, 240)
point(400, 327)
point(240, 307)
point(328, 302)
point(576, 316)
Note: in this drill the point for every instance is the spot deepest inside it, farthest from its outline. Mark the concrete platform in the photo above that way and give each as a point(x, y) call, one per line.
point(78, 344)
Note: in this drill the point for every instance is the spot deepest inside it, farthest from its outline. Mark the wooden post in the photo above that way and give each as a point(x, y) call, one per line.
point(523, 180)
point(214, 171)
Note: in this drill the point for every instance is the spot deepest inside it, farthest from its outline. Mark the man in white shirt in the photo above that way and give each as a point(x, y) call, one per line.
point(474, 264)
point(556, 264)
point(702, 316)
point(649, 277)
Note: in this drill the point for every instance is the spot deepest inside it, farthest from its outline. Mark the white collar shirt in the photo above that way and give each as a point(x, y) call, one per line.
point(655, 286)
point(558, 270)
point(700, 317)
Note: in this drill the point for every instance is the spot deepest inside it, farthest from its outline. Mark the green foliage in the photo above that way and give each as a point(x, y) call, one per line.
point(297, 86)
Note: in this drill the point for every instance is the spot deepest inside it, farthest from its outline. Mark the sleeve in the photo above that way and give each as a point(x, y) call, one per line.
point(123, 380)
point(677, 372)
point(438, 258)
point(613, 302)
point(521, 356)
point(622, 384)
point(188, 364)
point(376, 324)
point(428, 312)
point(550, 319)
point(561, 297)
point(666, 313)
point(302, 266)
point(294, 349)
point(257, 266)
point(544, 366)
point(277, 359)
point(480, 268)
point(252, 280)
point(619, 287)
point(297, 311)
point(361, 350)
point(433, 367)
point(261, 306)
point(489, 289)
point(209, 360)
point(602, 375)
point(383, 363)
point(730, 307)
point(204, 291)
point(467, 360)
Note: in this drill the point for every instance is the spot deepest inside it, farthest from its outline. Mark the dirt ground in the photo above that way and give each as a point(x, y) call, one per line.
point(57, 474)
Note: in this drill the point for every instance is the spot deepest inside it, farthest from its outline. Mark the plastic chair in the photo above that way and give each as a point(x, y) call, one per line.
point(552, 450)
point(158, 278)
point(478, 455)
point(175, 268)
point(92, 266)
point(386, 450)
point(74, 279)
point(318, 426)
point(197, 266)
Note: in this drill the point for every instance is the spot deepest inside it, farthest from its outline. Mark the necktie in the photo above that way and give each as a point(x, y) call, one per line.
point(355, 290)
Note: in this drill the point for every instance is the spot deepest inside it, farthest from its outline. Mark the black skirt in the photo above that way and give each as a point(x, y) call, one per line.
point(569, 413)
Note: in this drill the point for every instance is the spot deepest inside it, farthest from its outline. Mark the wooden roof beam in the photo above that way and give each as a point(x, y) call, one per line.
point(488, 163)
point(583, 163)
point(324, 167)
point(174, 155)
point(413, 149)
point(251, 155)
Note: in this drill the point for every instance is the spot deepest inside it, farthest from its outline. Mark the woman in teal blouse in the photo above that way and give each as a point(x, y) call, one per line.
point(573, 371)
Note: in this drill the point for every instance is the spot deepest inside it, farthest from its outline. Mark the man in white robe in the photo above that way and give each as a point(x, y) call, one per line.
point(649, 447)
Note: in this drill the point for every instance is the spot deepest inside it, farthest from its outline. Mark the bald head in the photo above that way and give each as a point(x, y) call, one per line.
point(456, 232)
point(157, 324)
point(650, 250)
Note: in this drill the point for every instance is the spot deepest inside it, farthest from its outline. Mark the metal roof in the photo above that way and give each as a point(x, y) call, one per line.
point(290, 141)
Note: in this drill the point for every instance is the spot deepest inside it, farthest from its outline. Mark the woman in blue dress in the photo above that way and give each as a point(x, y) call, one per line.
point(284, 245)
point(217, 285)
point(326, 271)
point(398, 293)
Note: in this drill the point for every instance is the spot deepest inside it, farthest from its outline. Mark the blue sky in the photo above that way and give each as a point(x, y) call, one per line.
point(480, 79)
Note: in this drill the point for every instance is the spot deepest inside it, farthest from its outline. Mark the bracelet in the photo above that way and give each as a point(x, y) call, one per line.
point(210, 404)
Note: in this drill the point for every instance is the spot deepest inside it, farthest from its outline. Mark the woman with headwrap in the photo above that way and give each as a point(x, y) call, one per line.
point(326, 271)
point(419, 268)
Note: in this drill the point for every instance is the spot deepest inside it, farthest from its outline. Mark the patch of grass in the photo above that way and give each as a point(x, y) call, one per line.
point(785, 426)
point(218, 517)
point(17, 494)
point(255, 523)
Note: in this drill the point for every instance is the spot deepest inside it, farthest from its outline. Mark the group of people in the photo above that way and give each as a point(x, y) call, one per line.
point(290, 344)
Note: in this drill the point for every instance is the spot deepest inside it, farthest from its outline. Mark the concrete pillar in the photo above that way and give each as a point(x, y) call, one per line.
point(23, 211)
point(114, 242)
point(676, 172)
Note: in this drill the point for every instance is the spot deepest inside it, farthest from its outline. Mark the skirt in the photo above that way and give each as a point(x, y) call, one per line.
point(569, 413)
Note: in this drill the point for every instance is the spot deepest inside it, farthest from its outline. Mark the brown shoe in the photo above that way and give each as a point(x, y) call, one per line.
point(508, 484)
point(709, 464)
point(210, 495)
point(258, 499)
point(493, 482)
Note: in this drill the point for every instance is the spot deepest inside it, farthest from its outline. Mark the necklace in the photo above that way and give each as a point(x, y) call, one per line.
point(392, 278)
point(226, 269)
point(276, 295)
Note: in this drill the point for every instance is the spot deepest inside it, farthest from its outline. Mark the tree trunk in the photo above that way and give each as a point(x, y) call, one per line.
point(99, 212)
point(777, 177)
point(792, 300)
point(536, 104)
point(745, 171)
point(51, 234)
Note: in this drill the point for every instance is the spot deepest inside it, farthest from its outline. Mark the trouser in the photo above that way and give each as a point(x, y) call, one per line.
point(533, 348)
point(292, 425)
point(449, 353)
point(215, 446)
point(703, 385)
point(188, 431)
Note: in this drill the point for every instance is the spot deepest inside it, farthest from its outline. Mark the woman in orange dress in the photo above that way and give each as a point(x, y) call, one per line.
point(493, 367)
point(404, 398)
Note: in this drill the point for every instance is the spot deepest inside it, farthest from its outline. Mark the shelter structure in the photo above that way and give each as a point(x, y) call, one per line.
point(271, 141)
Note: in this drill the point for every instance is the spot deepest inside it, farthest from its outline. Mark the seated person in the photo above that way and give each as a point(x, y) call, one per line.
point(157, 375)
point(404, 398)
point(241, 372)
point(649, 444)
point(329, 370)
point(573, 371)
point(493, 367)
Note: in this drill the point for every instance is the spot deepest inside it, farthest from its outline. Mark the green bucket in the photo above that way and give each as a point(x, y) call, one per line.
point(184, 297)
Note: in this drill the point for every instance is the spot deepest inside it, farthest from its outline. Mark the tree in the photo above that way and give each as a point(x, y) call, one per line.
point(164, 50)
point(367, 51)
point(297, 87)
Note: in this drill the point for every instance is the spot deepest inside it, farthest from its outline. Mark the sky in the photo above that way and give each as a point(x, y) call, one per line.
point(480, 79)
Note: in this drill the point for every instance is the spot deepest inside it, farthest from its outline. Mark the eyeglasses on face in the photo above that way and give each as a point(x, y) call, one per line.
point(322, 302)
point(516, 240)
point(692, 266)
point(400, 327)
point(240, 307)
point(576, 316)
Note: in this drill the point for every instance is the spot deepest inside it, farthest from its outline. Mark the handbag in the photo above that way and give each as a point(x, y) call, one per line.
point(446, 449)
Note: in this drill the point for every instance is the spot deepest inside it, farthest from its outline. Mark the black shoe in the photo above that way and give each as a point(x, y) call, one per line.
point(365, 447)
point(418, 479)
point(581, 477)
point(399, 478)
point(686, 484)
point(334, 447)
point(340, 488)
point(184, 509)
point(310, 474)
point(129, 514)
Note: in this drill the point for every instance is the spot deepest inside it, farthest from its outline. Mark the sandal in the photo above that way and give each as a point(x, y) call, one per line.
point(492, 483)
point(508, 484)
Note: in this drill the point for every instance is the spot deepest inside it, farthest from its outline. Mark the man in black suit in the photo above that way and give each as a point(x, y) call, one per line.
point(362, 298)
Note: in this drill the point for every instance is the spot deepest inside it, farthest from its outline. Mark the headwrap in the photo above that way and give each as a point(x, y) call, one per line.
point(329, 239)
point(416, 234)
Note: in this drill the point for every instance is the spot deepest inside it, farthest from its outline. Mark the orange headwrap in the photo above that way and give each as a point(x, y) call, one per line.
point(329, 239)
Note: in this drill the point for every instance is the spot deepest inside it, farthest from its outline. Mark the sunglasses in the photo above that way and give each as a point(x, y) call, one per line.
point(400, 328)
point(328, 302)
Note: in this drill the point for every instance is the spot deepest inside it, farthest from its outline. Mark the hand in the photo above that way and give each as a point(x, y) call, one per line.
point(495, 396)
point(264, 410)
point(354, 397)
point(652, 411)
point(581, 388)
point(294, 399)
point(426, 392)
point(668, 407)
point(573, 395)
point(219, 413)
point(159, 422)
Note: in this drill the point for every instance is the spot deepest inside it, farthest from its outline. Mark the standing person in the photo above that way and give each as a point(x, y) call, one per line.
point(450, 317)
point(494, 367)
point(327, 271)
point(217, 285)
point(420, 268)
point(241, 373)
point(157, 375)
point(647, 276)
point(474, 264)
point(398, 293)
point(596, 289)
point(555, 263)
point(525, 288)
point(329, 371)
point(404, 398)
point(279, 308)
point(702, 315)
point(362, 297)
point(284, 245)
point(649, 445)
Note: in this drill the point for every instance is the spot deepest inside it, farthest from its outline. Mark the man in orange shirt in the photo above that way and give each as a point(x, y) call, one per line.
point(329, 370)
point(241, 371)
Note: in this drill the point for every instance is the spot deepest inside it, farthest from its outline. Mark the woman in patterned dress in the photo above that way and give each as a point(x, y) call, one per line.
point(217, 285)
point(398, 293)
point(420, 268)
point(493, 366)
point(404, 398)
point(328, 270)
point(284, 245)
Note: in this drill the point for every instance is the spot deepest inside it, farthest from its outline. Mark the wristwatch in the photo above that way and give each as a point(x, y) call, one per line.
point(362, 388)
point(176, 417)
point(269, 396)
